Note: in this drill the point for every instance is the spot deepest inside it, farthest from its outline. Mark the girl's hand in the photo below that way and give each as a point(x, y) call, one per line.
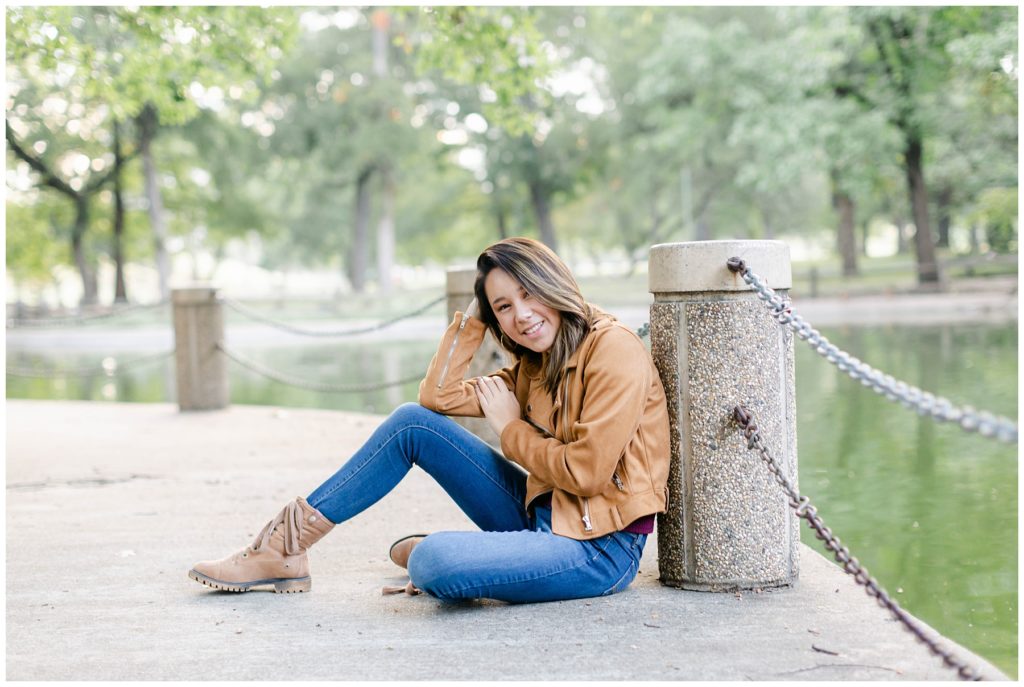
point(498, 403)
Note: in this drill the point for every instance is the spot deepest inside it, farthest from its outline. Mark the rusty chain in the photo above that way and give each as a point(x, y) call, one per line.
point(284, 326)
point(310, 385)
point(71, 320)
point(938, 408)
point(802, 505)
point(108, 367)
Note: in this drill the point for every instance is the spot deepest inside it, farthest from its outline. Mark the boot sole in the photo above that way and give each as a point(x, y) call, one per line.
point(282, 585)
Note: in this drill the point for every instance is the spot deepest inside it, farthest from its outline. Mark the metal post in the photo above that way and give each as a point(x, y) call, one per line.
point(202, 373)
point(489, 358)
point(728, 524)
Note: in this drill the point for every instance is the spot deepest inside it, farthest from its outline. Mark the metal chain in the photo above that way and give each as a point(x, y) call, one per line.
point(90, 371)
point(851, 565)
point(925, 403)
point(80, 319)
point(283, 378)
point(252, 314)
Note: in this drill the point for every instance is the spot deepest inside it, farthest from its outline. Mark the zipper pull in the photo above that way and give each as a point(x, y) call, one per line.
point(618, 482)
point(451, 351)
point(587, 527)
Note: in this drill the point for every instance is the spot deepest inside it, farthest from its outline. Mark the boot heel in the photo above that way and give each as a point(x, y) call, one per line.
point(301, 584)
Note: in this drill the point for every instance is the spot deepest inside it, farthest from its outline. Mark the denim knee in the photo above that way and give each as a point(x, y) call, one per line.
point(430, 567)
point(410, 414)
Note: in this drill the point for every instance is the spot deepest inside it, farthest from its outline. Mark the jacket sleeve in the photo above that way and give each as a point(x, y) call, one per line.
point(616, 382)
point(443, 389)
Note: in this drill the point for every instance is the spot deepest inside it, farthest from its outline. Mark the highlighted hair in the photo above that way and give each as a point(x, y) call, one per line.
point(545, 277)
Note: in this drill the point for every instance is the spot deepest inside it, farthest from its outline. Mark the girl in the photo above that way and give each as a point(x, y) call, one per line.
point(582, 410)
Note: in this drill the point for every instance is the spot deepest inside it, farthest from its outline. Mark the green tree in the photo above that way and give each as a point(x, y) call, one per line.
point(151, 65)
point(901, 68)
point(344, 121)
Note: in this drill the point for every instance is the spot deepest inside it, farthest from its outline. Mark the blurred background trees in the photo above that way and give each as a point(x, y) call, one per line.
point(363, 141)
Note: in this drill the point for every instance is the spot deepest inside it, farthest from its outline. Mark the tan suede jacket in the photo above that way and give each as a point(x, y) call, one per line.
point(602, 446)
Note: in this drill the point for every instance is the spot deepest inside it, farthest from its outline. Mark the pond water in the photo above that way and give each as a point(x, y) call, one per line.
point(930, 510)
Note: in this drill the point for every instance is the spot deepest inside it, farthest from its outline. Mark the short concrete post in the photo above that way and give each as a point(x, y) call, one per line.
point(489, 358)
point(729, 525)
point(202, 372)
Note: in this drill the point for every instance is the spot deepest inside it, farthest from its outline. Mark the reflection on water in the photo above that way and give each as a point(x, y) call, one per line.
point(929, 509)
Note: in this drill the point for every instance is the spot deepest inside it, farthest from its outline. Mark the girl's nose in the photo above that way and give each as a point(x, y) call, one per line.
point(523, 312)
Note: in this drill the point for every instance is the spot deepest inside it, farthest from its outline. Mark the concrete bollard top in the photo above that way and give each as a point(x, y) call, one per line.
point(460, 280)
point(701, 265)
point(193, 295)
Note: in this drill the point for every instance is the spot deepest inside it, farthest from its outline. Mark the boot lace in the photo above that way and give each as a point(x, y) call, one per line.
point(291, 517)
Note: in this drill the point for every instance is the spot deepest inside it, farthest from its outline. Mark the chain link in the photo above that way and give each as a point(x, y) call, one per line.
point(925, 403)
point(81, 319)
point(254, 315)
point(802, 505)
point(283, 378)
point(109, 369)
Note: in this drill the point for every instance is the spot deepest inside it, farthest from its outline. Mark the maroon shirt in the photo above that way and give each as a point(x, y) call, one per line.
point(644, 525)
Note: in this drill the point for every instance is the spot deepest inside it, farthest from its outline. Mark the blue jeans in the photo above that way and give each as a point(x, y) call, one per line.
point(516, 557)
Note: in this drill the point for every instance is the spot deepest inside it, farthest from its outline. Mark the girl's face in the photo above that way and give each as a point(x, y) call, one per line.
point(522, 317)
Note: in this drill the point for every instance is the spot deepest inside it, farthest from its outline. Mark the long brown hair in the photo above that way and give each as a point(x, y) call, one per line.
point(548, 279)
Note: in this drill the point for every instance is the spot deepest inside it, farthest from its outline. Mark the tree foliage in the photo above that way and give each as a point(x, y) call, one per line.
point(601, 130)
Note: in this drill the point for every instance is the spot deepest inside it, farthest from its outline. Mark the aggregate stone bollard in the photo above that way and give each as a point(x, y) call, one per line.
point(490, 357)
point(202, 373)
point(729, 525)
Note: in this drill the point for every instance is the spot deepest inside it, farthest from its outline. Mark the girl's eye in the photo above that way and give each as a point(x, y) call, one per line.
point(503, 307)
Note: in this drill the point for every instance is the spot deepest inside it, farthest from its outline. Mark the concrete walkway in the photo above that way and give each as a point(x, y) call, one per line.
point(108, 505)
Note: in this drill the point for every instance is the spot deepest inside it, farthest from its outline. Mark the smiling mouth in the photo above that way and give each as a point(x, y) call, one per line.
point(534, 329)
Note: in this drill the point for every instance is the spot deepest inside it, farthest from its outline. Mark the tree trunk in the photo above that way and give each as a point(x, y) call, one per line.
point(542, 211)
point(89, 290)
point(120, 291)
point(386, 231)
point(502, 227)
point(386, 227)
point(927, 268)
point(769, 226)
point(147, 123)
point(686, 199)
point(945, 209)
point(865, 234)
point(846, 235)
point(975, 238)
point(901, 234)
point(358, 255)
point(703, 228)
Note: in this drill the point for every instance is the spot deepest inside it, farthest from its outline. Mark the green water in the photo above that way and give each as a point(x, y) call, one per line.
point(930, 510)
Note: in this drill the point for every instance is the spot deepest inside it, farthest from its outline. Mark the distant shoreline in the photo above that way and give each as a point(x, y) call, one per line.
point(920, 309)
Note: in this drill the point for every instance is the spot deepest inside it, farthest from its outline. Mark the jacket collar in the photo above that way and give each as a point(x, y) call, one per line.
point(601, 320)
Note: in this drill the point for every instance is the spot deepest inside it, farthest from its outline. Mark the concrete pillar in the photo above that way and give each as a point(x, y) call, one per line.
point(489, 358)
point(729, 525)
point(202, 372)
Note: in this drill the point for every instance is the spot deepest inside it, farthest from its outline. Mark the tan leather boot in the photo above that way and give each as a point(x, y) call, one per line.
point(277, 556)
